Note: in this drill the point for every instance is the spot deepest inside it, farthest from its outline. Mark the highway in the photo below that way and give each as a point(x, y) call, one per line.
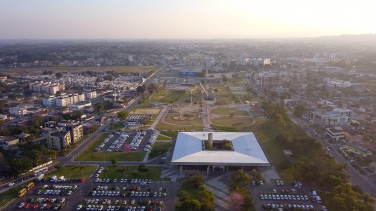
point(69, 158)
point(355, 177)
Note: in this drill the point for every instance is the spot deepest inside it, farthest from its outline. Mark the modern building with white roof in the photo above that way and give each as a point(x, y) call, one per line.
point(190, 152)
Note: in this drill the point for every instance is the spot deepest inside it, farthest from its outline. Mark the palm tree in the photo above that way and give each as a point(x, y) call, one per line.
point(122, 170)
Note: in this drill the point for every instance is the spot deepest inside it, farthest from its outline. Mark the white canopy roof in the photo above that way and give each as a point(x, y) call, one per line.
point(247, 150)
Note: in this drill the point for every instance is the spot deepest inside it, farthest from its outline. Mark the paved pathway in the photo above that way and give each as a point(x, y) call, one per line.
point(220, 191)
point(159, 117)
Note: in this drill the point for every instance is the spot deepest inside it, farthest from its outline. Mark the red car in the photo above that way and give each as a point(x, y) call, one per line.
point(35, 207)
point(82, 180)
point(49, 200)
point(27, 206)
point(157, 203)
point(150, 208)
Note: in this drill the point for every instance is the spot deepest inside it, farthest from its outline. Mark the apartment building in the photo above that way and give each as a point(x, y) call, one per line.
point(47, 87)
point(16, 111)
point(335, 133)
point(59, 140)
point(63, 100)
point(90, 94)
point(334, 117)
point(75, 130)
point(79, 106)
point(269, 79)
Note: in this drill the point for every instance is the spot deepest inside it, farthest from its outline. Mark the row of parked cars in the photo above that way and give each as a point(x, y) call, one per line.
point(41, 207)
point(131, 181)
point(104, 142)
point(56, 192)
point(284, 197)
point(288, 206)
point(117, 208)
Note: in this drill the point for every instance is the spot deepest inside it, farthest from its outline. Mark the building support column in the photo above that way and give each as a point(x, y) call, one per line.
point(207, 171)
point(181, 170)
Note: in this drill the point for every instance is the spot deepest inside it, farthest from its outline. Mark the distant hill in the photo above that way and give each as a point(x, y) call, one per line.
point(348, 39)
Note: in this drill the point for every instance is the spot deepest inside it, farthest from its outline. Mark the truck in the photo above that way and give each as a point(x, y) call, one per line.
point(39, 177)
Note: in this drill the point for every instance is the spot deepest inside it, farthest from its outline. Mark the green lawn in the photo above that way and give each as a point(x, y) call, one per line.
point(108, 156)
point(172, 134)
point(159, 147)
point(118, 126)
point(165, 96)
point(73, 172)
point(233, 121)
point(228, 111)
point(266, 135)
point(189, 187)
point(163, 126)
point(163, 138)
point(10, 194)
point(153, 173)
point(224, 128)
point(196, 121)
point(90, 155)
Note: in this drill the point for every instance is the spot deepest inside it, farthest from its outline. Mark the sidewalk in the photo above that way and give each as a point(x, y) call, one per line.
point(160, 115)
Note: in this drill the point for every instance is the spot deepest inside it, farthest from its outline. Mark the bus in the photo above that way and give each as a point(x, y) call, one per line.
point(21, 192)
point(30, 186)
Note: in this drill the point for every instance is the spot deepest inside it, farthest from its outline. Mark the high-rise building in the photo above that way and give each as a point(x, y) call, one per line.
point(59, 140)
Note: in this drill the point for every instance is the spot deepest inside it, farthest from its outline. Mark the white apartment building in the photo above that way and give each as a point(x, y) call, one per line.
point(90, 94)
point(46, 87)
point(334, 117)
point(16, 111)
point(336, 133)
point(49, 101)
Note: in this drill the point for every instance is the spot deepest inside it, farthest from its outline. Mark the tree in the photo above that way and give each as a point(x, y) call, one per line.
point(256, 175)
point(100, 106)
point(114, 161)
point(5, 132)
point(239, 179)
point(299, 110)
point(236, 201)
point(206, 198)
point(122, 115)
point(37, 121)
point(45, 73)
point(140, 89)
point(58, 75)
point(284, 138)
point(20, 165)
point(197, 179)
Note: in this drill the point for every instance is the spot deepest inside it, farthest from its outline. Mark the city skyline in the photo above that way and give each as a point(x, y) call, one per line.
point(182, 20)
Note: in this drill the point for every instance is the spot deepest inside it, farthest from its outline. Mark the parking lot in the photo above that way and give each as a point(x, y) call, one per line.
point(91, 194)
point(271, 196)
point(136, 140)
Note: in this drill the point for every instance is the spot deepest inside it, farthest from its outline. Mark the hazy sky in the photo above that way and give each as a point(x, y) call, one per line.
point(164, 19)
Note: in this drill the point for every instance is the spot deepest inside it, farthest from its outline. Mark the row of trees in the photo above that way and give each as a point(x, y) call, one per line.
point(202, 201)
point(277, 113)
point(240, 199)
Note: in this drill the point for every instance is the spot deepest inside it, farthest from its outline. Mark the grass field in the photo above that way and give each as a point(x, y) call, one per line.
point(162, 138)
point(233, 121)
point(167, 96)
point(159, 146)
point(10, 194)
point(55, 69)
point(118, 126)
point(228, 111)
point(73, 172)
point(90, 155)
point(153, 173)
point(172, 134)
point(169, 119)
point(266, 135)
point(163, 126)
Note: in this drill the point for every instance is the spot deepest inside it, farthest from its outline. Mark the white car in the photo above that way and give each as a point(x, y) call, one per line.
point(79, 207)
point(10, 184)
point(21, 205)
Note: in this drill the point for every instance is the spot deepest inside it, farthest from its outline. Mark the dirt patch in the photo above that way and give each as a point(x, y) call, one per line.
point(183, 118)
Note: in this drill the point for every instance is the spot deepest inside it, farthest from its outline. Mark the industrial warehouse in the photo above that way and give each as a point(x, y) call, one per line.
point(205, 151)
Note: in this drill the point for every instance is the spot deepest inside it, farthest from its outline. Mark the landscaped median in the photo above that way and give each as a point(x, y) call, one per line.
point(133, 172)
point(90, 155)
point(10, 194)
